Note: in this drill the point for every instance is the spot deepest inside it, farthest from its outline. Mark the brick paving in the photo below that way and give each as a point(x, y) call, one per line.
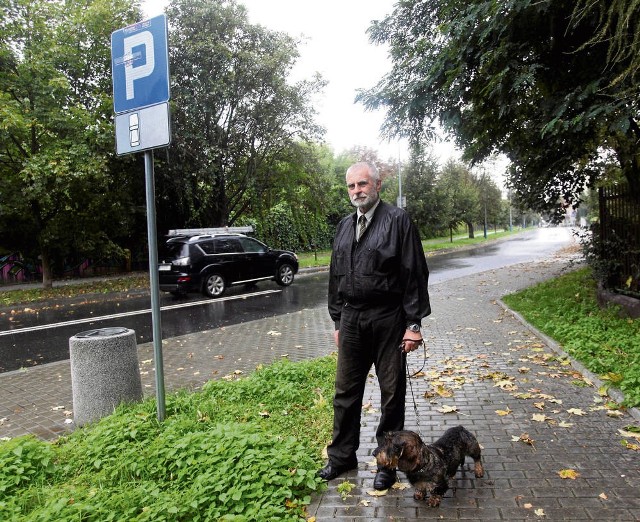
point(481, 360)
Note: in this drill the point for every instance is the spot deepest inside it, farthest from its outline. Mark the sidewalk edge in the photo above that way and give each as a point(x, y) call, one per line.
point(615, 393)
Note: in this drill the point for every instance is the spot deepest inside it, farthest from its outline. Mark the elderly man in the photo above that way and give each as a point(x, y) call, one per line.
point(378, 296)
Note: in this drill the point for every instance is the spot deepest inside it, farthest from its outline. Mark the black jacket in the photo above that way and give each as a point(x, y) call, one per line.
point(385, 269)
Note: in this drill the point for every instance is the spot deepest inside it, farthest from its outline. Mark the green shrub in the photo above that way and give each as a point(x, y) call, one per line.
point(242, 450)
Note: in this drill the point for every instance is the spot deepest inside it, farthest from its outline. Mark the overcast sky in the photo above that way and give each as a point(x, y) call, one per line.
point(338, 48)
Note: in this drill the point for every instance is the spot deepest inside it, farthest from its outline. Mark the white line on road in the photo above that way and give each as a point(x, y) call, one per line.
point(135, 312)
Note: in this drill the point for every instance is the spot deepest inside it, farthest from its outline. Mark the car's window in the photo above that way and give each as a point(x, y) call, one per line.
point(170, 251)
point(207, 247)
point(251, 245)
point(227, 246)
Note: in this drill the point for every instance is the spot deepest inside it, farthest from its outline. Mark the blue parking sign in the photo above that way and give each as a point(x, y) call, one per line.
point(140, 65)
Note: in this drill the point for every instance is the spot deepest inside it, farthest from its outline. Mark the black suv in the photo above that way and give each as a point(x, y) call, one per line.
point(209, 263)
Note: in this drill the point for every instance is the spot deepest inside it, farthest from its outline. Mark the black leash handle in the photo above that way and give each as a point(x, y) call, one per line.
point(411, 376)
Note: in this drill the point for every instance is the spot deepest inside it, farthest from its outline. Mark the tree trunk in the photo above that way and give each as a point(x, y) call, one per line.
point(47, 279)
point(471, 233)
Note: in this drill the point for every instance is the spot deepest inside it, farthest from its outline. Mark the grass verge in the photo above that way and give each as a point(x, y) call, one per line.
point(566, 310)
point(323, 257)
point(74, 289)
point(242, 450)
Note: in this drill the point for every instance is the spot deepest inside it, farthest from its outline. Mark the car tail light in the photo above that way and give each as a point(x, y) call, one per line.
point(184, 279)
point(181, 261)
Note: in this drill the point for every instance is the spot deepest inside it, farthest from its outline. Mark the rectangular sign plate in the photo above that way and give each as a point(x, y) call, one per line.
point(143, 129)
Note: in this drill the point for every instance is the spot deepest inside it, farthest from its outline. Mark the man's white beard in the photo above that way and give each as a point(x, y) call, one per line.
point(366, 203)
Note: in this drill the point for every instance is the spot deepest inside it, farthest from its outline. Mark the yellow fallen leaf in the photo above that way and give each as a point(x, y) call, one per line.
point(505, 385)
point(603, 496)
point(631, 445)
point(576, 411)
point(401, 486)
point(564, 424)
point(443, 391)
point(615, 414)
point(540, 417)
point(447, 409)
point(568, 474)
point(539, 512)
point(502, 413)
point(377, 492)
point(365, 502)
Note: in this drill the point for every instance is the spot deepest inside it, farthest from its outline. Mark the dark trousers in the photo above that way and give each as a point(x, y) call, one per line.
point(367, 337)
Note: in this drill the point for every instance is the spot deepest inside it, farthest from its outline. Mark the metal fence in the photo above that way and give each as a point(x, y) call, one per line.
point(620, 235)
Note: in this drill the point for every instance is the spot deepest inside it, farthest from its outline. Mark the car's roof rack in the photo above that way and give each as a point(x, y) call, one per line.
point(210, 231)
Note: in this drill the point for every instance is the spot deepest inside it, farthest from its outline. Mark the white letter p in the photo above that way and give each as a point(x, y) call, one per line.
point(132, 73)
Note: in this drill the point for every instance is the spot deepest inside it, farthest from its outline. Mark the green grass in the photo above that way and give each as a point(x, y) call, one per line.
point(566, 310)
point(74, 289)
point(243, 450)
point(444, 243)
point(323, 257)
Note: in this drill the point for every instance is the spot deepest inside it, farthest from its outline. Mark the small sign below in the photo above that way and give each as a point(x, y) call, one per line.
point(143, 129)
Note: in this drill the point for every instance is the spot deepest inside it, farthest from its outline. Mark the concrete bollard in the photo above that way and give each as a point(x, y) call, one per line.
point(104, 372)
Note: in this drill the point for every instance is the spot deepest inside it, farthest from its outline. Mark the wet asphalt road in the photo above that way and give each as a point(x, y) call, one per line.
point(40, 334)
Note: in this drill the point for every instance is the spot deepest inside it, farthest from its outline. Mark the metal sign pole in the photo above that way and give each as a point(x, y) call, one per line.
point(154, 281)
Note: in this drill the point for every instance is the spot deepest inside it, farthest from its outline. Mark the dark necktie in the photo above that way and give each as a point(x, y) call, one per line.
point(362, 225)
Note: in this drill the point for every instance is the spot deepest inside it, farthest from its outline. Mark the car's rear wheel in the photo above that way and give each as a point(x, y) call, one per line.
point(214, 285)
point(284, 275)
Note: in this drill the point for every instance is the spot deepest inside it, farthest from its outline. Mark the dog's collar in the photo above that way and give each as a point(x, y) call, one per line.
point(424, 468)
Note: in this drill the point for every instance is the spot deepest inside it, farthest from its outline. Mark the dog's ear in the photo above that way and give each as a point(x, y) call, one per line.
point(398, 449)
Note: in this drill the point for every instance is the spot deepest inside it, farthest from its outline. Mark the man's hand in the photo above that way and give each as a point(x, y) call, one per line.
point(336, 337)
point(411, 341)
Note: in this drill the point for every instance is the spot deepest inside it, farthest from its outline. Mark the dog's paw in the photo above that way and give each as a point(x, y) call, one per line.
point(419, 494)
point(434, 501)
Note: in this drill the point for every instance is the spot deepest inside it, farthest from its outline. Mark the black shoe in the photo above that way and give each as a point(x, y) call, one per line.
point(385, 478)
point(331, 471)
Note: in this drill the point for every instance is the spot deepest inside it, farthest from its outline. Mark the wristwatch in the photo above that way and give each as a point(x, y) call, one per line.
point(413, 327)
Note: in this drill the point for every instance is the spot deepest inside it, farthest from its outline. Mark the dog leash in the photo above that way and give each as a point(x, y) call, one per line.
point(411, 376)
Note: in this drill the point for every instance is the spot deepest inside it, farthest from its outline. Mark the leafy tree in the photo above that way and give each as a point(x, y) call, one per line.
point(236, 119)
point(489, 199)
point(618, 22)
point(548, 83)
point(457, 188)
point(423, 202)
point(55, 130)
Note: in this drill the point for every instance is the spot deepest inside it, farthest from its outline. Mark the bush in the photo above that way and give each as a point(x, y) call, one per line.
point(242, 450)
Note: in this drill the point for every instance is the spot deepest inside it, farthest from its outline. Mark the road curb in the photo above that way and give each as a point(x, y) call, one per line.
point(614, 393)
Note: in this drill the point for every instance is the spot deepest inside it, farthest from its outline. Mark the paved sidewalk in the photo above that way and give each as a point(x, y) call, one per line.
point(497, 371)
